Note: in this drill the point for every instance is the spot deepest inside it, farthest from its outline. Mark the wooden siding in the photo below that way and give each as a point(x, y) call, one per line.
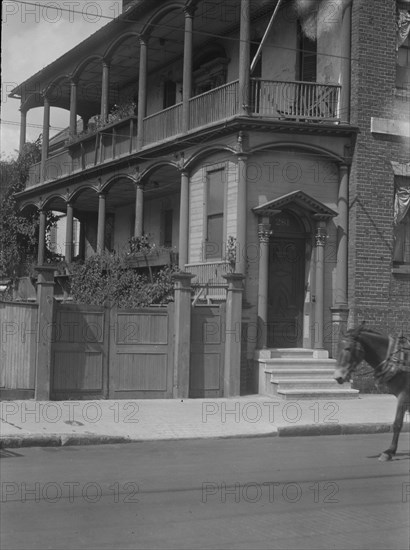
point(18, 334)
point(196, 216)
point(231, 200)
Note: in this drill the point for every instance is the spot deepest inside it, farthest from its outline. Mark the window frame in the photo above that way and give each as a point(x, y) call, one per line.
point(212, 169)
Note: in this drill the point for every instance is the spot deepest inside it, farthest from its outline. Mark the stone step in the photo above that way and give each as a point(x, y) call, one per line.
point(302, 384)
point(279, 374)
point(296, 353)
point(299, 363)
point(294, 395)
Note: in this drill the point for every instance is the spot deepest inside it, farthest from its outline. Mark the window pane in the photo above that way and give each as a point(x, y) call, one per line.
point(215, 235)
point(215, 192)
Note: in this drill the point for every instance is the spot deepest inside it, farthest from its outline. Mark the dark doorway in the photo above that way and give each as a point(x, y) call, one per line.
point(286, 290)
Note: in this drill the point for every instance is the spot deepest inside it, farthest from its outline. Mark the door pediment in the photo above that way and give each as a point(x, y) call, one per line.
point(301, 200)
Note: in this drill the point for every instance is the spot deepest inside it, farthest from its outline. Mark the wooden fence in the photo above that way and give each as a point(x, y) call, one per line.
point(54, 350)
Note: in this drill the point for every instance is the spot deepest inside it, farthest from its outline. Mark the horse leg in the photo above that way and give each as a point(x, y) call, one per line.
point(402, 406)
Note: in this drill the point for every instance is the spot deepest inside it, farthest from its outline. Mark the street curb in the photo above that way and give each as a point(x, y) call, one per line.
point(67, 440)
point(338, 429)
point(52, 440)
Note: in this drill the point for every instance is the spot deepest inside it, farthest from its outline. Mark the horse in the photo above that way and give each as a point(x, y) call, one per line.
point(390, 360)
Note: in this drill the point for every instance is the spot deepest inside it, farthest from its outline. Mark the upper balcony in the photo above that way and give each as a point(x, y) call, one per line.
point(272, 100)
point(187, 66)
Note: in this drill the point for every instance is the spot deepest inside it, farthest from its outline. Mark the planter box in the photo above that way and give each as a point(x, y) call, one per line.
point(155, 258)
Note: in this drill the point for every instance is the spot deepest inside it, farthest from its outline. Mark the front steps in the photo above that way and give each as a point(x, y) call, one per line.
point(297, 373)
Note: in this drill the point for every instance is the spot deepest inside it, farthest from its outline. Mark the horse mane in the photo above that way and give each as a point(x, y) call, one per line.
point(355, 332)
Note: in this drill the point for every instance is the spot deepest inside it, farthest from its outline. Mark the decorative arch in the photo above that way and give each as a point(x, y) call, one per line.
point(159, 14)
point(81, 66)
point(117, 177)
point(46, 201)
point(29, 204)
point(206, 152)
point(156, 166)
point(117, 42)
point(32, 101)
point(301, 146)
point(77, 192)
point(55, 81)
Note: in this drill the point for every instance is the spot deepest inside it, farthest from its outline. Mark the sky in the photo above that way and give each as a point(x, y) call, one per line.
point(35, 33)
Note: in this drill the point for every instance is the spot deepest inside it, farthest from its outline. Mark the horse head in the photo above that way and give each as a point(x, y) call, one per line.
point(351, 353)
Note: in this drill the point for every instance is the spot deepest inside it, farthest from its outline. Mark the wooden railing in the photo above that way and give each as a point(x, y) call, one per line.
point(294, 100)
point(163, 125)
point(208, 276)
point(214, 106)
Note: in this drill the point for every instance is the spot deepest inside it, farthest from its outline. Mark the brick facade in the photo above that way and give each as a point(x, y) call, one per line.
point(376, 294)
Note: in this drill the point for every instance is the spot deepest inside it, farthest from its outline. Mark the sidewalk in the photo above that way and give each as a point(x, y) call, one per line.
point(56, 423)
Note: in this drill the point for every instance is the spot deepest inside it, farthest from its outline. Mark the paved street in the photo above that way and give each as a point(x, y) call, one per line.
point(310, 492)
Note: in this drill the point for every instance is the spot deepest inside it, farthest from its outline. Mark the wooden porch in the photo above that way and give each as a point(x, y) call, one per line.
point(280, 100)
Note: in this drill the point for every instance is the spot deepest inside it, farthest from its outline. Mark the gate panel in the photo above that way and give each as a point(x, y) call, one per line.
point(207, 351)
point(79, 352)
point(141, 353)
point(18, 346)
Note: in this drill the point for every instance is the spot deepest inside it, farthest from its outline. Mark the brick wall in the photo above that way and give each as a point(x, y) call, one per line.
point(375, 294)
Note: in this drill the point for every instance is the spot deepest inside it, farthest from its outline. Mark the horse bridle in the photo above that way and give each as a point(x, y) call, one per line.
point(355, 348)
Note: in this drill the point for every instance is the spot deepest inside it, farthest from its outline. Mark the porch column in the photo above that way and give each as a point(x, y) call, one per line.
point(344, 102)
point(69, 233)
point(244, 57)
point(233, 335)
point(46, 136)
point(187, 71)
point(240, 266)
point(81, 248)
point(73, 108)
point(139, 210)
point(105, 90)
point(23, 128)
point(264, 232)
point(142, 91)
point(41, 238)
point(183, 221)
point(320, 241)
point(101, 223)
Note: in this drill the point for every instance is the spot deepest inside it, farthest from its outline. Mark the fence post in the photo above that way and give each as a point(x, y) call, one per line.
point(45, 300)
point(182, 324)
point(233, 334)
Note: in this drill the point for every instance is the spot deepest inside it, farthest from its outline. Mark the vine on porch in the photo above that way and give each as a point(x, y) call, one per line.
point(107, 277)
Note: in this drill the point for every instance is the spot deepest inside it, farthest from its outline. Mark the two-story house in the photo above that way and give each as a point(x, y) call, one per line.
point(202, 122)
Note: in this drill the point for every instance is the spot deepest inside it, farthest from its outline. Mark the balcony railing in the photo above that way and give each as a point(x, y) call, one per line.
point(163, 125)
point(208, 276)
point(295, 101)
point(213, 106)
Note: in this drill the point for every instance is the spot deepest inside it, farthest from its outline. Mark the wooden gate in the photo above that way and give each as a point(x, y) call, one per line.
point(79, 352)
point(99, 352)
point(18, 342)
point(141, 353)
point(206, 377)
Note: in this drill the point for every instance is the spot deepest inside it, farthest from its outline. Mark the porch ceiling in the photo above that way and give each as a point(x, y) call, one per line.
point(165, 46)
point(301, 200)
